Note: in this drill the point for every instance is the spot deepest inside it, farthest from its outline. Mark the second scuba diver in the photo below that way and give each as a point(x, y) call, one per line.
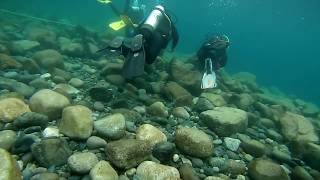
point(212, 56)
point(152, 36)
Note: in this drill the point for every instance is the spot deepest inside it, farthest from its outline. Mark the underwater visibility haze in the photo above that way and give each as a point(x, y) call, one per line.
point(82, 96)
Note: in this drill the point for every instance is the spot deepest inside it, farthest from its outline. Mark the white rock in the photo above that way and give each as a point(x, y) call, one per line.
point(232, 144)
point(175, 158)
point(45, 76)
point(50, 132)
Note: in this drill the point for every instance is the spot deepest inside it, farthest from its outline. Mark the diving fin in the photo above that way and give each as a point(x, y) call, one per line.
point(114, 45)
point(135, 60)
point(116, 26)
point(127, 20)
point(209, 77)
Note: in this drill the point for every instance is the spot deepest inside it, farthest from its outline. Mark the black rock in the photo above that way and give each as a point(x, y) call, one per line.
point(101, 93)
point(29, 119)
point(50, 152)
point(209, 171)
point(24, 143)
point(120, 103)
point(164, 151)
point(196, 162)
point(32, 129)
point(203, 104)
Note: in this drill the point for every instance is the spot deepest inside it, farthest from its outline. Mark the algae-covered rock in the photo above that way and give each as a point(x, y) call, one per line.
point(76, 122)
point(149, 170)
point(103, 171)
point(22, 46)
point(151, 134)
point(158, 109)
point(262, 169)
point(49, 103)
point(49, 59)
point(12, 108)
point(194, 142)
point(178, 94)
point(216, 99)
point(82, 163)
point(112, 127)
point(9, 169)
point(253, 147)
point(183, 74)
point(7, 62)
point(7, 139)
point(312, 155)
point(225, 120)
point(128, 153)
point(16, 86)
point(49, 152)
point(297, 128)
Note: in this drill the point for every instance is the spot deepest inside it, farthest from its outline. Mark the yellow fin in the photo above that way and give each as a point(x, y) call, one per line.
point(104, 1)
point(126, 19)
point(117, 25)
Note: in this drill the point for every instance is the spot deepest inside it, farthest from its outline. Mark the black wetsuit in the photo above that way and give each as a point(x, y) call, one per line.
point(216, 50)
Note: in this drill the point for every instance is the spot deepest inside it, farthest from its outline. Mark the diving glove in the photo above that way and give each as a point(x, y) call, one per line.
point(209, 76)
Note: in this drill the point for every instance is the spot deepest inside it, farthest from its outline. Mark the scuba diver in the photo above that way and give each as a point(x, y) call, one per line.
point(212, 56)
point(133, 14)
point(153, 35)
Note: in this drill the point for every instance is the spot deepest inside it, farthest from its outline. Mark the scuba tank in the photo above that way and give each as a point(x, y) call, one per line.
point(157, 21)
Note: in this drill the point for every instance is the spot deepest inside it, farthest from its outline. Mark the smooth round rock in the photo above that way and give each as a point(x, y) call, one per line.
point(7, 139)
point(158, 109)
point(49, 59)
point(151, 134)
point(253, 147)
point(95, 142)
point(98, 106)
point(75, 82)
point(149, 170)
point(262, 169)
point(45, 176)
point(49, 103)
point(194, 142)
point(76, 122)
point(103, 171)
point(82, 163)
point(12, 108)
point(181, 112)
point(9, 169)
point(112, 127)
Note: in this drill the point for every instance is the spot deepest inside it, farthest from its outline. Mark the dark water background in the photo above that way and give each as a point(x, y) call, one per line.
point(277, 40)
